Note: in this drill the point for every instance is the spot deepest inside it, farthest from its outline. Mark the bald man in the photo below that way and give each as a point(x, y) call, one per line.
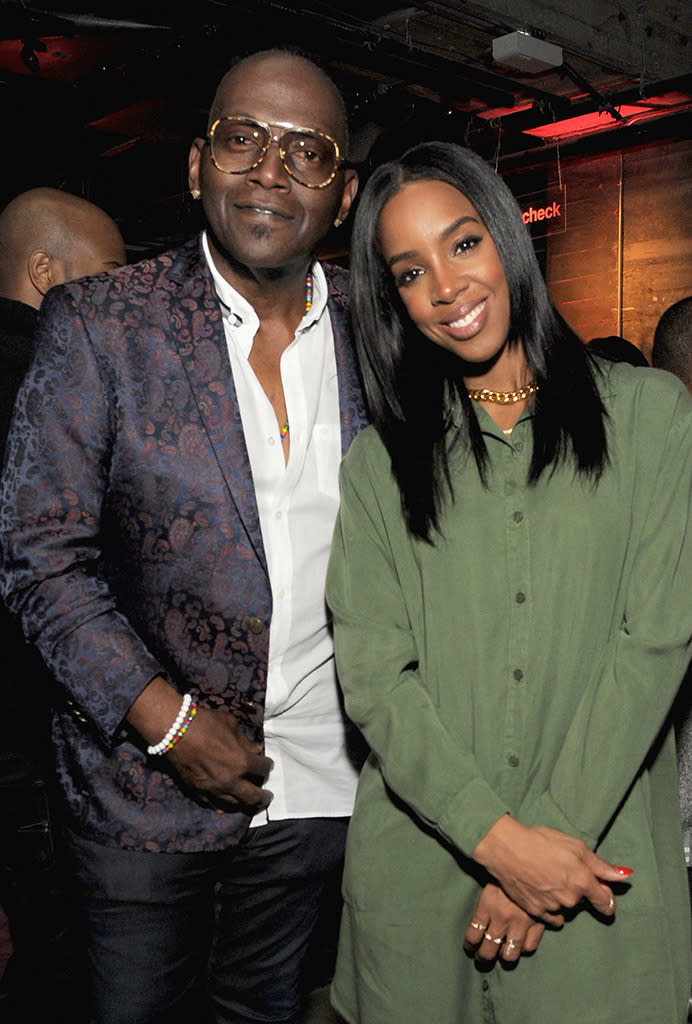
point(183, 467)
point(47, 237)
point(672, 347)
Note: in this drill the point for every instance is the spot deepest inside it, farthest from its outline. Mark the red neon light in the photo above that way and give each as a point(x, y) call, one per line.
point(64, 58)
point(586, 123)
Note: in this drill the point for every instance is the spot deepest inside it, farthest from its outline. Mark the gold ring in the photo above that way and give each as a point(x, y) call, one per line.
point(478, 926)
point(491, 939)
point(512, 944)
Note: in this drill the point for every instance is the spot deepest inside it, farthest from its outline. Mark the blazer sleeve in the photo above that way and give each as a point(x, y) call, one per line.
point(628, 700)
point(377, 660)
point(53, 488)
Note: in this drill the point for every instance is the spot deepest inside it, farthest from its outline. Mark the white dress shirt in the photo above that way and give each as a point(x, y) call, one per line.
point(297, 503)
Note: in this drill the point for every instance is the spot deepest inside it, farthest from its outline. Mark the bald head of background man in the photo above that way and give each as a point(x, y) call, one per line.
point(48, 237)
point(672, 348)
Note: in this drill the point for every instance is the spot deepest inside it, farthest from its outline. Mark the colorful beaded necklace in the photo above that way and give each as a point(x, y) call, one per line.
point(283, 431)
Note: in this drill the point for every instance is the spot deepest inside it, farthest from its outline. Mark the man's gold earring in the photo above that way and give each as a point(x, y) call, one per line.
point(338, 222)
point(195, 193)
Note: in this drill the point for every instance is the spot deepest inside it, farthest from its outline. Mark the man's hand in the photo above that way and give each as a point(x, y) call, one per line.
point(217, 762)
point(214, 759)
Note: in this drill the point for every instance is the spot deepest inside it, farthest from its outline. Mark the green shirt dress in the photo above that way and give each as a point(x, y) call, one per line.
point(524, 663)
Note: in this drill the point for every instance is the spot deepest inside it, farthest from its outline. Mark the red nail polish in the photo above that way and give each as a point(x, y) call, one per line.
point(625, 872)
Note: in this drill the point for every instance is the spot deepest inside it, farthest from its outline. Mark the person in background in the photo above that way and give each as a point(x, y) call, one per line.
point(672, 351)
point(47, 237)
point(510, 588)
point(672, 346)
point(167, 513)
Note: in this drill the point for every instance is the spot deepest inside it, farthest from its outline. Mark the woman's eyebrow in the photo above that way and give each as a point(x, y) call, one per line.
point(410, 253)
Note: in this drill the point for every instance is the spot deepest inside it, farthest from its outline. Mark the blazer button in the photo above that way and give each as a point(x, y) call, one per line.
point(75, 711)
point(254, 624)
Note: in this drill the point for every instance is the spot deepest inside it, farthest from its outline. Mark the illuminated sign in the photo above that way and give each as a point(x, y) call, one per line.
point(545, 213)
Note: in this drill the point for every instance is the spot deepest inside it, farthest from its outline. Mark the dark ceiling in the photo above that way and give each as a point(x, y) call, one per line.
point(103, 98)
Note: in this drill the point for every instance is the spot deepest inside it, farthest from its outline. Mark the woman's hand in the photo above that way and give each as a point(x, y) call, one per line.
point(546, 871)
point(500, 928)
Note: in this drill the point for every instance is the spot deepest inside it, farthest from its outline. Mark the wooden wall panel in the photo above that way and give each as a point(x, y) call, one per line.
point(657, 236)
point(627, 253)
point(582, 263)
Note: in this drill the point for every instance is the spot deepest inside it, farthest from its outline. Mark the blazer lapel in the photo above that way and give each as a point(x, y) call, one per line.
point(202, 347)
point(351, 402)
point(194, 310)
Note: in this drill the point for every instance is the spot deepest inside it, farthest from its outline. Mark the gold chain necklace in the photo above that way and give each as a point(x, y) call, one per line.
point(504, 397)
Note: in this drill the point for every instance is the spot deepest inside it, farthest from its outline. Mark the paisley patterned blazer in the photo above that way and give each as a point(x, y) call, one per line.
point(130, 532)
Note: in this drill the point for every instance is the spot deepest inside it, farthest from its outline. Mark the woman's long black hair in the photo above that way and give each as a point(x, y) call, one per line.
point(413, 386)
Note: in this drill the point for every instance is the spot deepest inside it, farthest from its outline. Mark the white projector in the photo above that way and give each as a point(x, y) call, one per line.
point(521, 51)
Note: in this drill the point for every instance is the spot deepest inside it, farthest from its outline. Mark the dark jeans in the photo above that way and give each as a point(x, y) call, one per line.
point(203, 937)
point(40, 978)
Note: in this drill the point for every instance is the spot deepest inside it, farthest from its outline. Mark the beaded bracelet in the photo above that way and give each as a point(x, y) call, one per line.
point(158, 748)
point(183, 728)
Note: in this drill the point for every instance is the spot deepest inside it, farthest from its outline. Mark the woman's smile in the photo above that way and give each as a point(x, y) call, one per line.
point(468, 322)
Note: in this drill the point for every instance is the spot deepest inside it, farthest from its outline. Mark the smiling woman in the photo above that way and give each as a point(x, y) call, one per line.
point(451, 279)
point(440, 254)
point(509, 584)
